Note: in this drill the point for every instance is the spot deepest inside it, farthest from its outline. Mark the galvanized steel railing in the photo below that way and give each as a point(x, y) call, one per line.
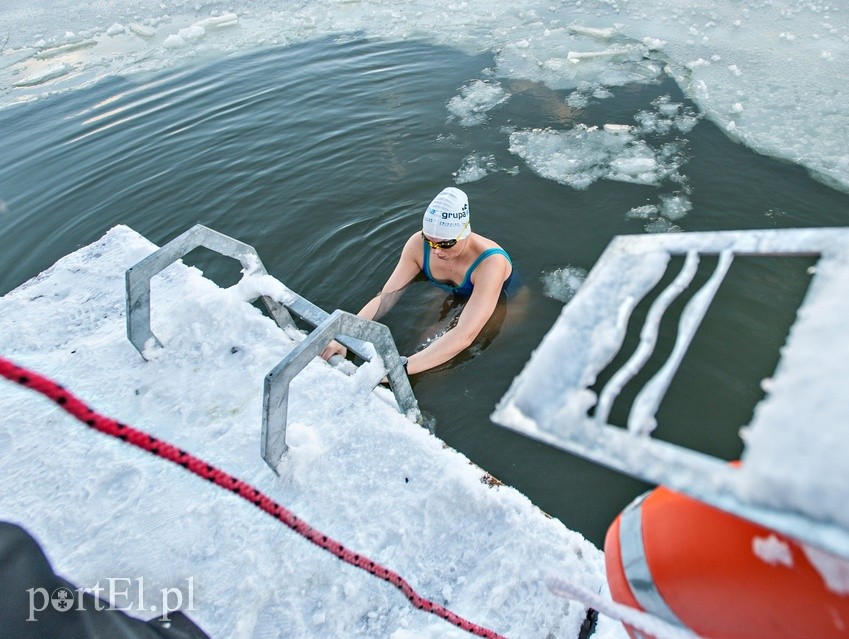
point(353, 332)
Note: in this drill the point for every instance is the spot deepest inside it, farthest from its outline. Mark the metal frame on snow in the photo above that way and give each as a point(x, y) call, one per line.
point(550, 399)
point(350, 330)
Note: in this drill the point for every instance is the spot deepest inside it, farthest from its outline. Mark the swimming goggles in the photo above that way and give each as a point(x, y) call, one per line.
point(444, 244)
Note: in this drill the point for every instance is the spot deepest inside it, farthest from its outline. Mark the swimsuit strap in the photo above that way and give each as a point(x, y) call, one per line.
point(466, 285)
point(467, 281)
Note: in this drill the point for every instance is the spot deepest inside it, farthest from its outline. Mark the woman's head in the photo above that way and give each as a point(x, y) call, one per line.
point(447, 216)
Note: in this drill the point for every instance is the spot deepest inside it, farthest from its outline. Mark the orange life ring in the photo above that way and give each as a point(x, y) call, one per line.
point(700, 567)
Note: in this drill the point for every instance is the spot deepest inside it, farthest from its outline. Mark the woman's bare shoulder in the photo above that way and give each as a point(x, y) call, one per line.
point(484, 243)
point(413, 248)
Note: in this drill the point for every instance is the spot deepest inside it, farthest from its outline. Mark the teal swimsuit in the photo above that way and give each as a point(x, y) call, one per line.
point(465, 288)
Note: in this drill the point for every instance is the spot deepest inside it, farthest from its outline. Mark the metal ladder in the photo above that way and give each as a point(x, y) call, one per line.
point(353, 332)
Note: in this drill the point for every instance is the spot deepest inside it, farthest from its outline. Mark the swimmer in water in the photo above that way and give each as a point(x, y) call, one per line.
point(456, 260)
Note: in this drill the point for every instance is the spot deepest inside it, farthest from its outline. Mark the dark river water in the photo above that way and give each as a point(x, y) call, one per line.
point(324, 155)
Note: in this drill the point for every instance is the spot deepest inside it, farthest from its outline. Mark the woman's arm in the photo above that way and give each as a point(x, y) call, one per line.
point(408, 266)
point(406, 269)
point(488, 280)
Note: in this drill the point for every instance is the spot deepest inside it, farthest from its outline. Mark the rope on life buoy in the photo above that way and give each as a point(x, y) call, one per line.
point(71, 404)
point(642, 621)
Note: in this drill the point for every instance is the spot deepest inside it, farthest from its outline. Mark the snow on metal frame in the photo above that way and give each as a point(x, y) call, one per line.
point(550, 399)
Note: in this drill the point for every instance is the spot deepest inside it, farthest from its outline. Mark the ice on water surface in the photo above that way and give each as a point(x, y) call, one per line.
point(771, 74)
point(475, 100)
point(562, 283)
point(582, 155)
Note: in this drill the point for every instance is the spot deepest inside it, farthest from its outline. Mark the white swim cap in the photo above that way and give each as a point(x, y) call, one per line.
point(447, 217)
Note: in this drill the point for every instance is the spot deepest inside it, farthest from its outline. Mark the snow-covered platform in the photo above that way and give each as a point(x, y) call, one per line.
point(356, 469)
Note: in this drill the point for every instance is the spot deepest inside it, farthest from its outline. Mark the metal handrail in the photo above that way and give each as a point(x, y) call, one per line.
point(276, 394)
point(350, 330)
point(138, 287)
point(138, 278)
point(551, 399)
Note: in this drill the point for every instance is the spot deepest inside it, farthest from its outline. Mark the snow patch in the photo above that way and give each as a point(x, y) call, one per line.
point(773, 551)
point(834, 570)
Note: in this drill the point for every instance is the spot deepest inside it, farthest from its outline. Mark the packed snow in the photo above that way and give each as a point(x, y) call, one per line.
point(356, 469)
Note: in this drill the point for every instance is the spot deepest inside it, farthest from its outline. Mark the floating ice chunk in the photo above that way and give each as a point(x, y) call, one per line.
point(555, 64)
point(475, 167)
point(578, 56)
point(219, 22)
point(637, 163)
point(650, 122)
point(634, 165)
point(662, 225)
point(686, 122)
point(549, 62)
point(737, 107)
point(674, 207)
point(568, 157)
point(580, 156)
point(618, 128)
point(646, 212)
point(115, 29)
point(593, 32)
point(174, 41)
point(668, 115)
point(45, 75)
point(52, 52)
point(666, 107)
point(735, 70)
point(561, 284)
point(654, 44)
point(192, 33)
point(577, 100)
point(141, 30)
point(475, 101)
